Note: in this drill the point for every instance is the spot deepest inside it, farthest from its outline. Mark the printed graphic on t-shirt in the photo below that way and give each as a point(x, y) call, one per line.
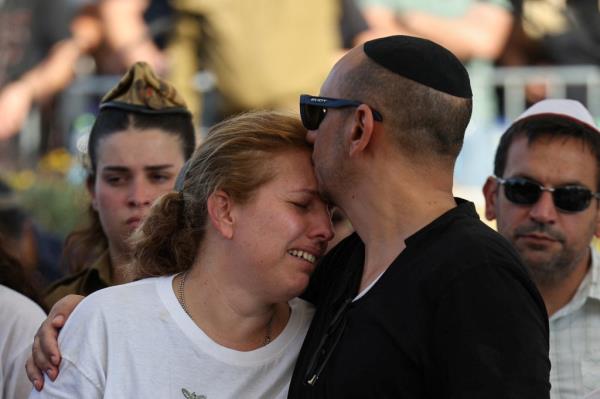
point(188, 395)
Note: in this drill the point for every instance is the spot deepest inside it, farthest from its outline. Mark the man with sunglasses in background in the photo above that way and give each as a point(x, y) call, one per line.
point(544, 196)
point(424, 301)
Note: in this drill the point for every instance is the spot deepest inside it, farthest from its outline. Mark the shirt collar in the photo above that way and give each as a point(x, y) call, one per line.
point(102, 267)
point(463, 209)
point(588, 289)
point(594, 290)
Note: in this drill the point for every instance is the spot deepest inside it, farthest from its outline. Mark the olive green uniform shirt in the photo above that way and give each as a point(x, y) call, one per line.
point(89, 280)
point(263, 53)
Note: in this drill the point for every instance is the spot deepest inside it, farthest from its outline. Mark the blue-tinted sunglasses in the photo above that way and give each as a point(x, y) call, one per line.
point(313, 109)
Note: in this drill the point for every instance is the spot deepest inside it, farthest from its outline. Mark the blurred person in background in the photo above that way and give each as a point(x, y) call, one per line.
point(38, 252)
point(262, 53)
point(141, 138)
point(37, 54)
point(555, 32)
point(545, 197)
point(20, 316)
point(58, 36)
point(131, 31)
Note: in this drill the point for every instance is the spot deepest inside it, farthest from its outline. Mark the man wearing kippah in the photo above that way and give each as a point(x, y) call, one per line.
point(544, 196)
point(424, 300)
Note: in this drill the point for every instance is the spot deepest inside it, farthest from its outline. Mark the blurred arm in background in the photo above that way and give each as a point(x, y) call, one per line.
point(50, 75)
point(115, 25)
point(128, 34)
point(481, 32)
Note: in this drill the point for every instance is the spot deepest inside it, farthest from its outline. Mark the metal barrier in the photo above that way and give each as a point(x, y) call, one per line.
point(555, 78)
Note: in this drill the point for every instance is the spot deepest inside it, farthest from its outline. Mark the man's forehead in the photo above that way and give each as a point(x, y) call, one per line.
point(551, 159)
point(523, 146)
point(549, 139)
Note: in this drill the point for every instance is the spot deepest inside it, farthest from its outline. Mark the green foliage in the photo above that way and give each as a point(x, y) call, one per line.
point(53, 200)
point(57, 205)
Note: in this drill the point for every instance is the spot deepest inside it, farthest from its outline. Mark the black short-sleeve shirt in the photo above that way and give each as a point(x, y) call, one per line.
point(456, 315)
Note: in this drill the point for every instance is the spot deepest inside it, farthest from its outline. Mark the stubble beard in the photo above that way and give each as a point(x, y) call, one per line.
point(553, 270)
point(548, 268)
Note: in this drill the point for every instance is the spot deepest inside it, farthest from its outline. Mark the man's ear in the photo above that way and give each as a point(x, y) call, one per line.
point(490, 193)
point(90, 183)
point(362, 129)
point(219, 206)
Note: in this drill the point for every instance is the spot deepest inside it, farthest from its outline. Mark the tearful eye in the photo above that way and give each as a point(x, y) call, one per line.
point(330, 210)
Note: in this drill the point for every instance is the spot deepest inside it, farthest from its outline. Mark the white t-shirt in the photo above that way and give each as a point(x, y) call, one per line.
point(135, 341)
point(20, 318)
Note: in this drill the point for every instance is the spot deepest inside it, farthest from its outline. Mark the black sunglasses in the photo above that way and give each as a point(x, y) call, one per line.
point(328, 342)
point(567, 198)
point(313, 109)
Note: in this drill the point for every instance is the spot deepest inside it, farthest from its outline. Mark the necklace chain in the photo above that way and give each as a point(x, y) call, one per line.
point(181, 298)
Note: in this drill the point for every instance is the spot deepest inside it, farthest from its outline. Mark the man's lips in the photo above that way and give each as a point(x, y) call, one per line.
point(538, 238)
point(539, 234)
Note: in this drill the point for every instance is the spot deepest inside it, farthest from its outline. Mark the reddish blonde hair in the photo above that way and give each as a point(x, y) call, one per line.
point(233, 158)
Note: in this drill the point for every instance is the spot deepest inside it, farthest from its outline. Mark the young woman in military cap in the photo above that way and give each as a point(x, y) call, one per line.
point(142, 136)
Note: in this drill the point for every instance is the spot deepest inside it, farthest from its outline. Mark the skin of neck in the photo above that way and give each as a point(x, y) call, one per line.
point(391, 199)
point(119, 260)
point(227, 311)
point(557, 294)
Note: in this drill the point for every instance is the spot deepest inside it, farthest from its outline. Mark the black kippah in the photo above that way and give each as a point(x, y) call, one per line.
point(423, 61)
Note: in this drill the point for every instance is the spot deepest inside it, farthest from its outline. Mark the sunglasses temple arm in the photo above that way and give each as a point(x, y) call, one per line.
point(312, 377)
point(315, 376)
